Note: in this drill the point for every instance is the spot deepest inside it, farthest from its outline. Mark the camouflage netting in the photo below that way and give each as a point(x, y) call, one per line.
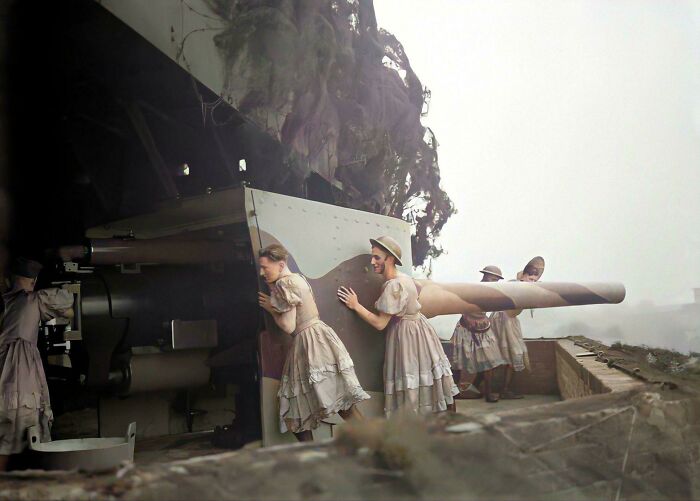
point(319, 76)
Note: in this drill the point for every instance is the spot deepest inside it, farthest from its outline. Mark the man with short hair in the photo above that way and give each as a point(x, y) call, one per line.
point(24, 394)
point(475, 347)
point(318, 378)
point(417, 373)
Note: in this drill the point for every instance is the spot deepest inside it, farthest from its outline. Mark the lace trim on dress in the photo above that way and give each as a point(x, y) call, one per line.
point(295, 424)
point(440, 370)
point(293, 387)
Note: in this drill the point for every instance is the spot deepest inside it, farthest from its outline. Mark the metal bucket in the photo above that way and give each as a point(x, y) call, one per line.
point(87, 454)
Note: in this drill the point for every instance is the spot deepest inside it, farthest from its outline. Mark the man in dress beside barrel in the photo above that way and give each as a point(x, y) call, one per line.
point(318, 378)
point(506, 326)
point(24, 395)
point(475, 347)
point(417, 374)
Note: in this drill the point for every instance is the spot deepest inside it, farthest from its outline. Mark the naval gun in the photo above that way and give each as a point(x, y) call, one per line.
point(462, 298)
point(167, 303)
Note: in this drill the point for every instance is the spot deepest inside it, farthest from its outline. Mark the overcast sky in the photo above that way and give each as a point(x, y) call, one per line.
point(568, 129)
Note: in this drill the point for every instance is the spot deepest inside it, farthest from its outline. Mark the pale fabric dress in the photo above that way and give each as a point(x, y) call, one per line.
point(506, 326)
point(318, 378)
point(475, 347)
point(24, 398)
point(417, 374)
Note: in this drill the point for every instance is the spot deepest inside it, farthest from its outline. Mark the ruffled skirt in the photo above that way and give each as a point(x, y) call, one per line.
point(318, 379)
point(417, 374)
point(24, 398)
point(475, 352)
point(510, 340)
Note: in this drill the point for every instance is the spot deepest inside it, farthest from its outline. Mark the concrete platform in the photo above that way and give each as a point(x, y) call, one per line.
point(477, 407)
point(174, 448)
point(190, 445)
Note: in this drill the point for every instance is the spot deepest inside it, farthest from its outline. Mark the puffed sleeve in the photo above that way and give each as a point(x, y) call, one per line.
point(394, 298)
point(285, 295)
point(54, 303)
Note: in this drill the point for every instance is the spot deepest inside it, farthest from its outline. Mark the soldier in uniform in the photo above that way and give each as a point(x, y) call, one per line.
point(475, 347)
point(506, 326)
point(24, 395)
point(417, 374)
point(318, 378)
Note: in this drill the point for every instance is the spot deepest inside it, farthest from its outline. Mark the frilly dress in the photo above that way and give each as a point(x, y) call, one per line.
point(24, 395)
point(318, 378)
point(475, 345)
point(506, 327)
point(417, 374)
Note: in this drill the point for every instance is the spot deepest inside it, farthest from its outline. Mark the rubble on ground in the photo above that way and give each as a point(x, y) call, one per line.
point(624, 445)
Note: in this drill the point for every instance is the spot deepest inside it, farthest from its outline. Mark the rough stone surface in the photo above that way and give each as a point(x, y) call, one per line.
point(636, 442)
point(583, 376)
point(641, 443)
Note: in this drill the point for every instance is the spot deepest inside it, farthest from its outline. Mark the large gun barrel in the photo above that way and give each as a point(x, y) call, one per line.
point(155, 251)
point(446, 299)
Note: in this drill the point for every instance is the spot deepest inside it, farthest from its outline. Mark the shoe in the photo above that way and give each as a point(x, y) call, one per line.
point(471, 393)
point(492, 398)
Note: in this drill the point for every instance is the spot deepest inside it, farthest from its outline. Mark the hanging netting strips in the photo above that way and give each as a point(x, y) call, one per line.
point(340, 93)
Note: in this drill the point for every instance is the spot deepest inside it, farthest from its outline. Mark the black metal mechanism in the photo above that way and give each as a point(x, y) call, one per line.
point(121, 314)
point(118, 118)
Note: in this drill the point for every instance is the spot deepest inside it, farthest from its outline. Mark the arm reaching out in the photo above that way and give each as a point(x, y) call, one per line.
point(286, 321)
point(348, 297)
point(55, 303)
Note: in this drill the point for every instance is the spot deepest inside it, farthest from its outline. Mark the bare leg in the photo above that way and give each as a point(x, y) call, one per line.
point(457, 376)
point(488, 393)
point(304, 436)
point(508, 379)
point(3, 462)
point(472, 391)
point(477, 380)
point(507, 393)
point(472, 379)
point(352, 413)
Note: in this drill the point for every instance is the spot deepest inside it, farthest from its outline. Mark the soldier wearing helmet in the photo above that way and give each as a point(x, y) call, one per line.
point(417, 374)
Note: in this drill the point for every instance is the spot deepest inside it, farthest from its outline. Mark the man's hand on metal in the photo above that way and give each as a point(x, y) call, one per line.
point(348, 297)
point(264, 302)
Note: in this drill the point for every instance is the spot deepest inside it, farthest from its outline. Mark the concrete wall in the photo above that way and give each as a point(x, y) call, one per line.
point(542, 377)
point(556, 370)
point(583, 376)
